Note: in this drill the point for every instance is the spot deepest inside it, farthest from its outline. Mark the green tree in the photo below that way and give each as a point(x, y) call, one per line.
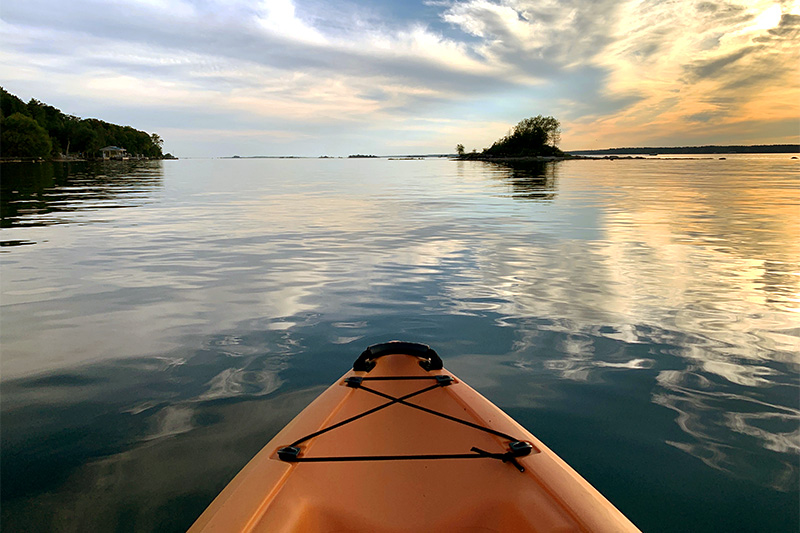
point(460, 149)
point(66, 134)
point(10, 104)
point(22, 136)
point(36, 110)
point(83, 138)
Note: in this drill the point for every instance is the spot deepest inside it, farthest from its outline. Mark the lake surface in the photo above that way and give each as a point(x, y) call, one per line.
point(161, 321)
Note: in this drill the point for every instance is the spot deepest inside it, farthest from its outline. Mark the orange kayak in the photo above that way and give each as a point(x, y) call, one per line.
point(400, 444)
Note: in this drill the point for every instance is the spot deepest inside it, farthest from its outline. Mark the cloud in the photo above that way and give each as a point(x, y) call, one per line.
point(525, 33)
point(729, 64)
point(278, 17)
point(615, 72)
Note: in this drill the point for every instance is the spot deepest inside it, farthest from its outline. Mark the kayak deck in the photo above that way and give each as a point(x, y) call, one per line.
point(409, 464)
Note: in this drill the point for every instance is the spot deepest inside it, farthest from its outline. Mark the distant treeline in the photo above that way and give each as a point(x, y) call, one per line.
point(707, 149)
point(36, 129)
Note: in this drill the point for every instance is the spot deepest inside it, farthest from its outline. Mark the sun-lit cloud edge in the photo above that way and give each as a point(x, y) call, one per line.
point(698, 80)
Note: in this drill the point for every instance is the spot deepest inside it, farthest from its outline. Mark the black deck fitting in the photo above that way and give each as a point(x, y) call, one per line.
point(520, 448)
point(444, 380)
point(289, 454)
point(354, 381)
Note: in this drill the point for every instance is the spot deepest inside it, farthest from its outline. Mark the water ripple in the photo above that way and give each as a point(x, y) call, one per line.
point(146, 307)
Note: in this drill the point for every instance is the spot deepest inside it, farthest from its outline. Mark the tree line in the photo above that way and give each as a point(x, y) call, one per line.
point(705, 149)
point(531, 137)
point(36, 129)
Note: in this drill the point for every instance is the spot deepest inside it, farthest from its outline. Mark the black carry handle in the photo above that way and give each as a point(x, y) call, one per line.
point(430, 359)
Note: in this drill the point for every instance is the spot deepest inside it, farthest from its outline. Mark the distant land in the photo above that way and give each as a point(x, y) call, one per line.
point(395, 156)
point(706, 149)
point(638, 151)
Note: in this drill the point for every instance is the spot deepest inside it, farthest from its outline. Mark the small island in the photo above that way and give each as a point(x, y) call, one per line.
point(532, 139)
point(38, 132)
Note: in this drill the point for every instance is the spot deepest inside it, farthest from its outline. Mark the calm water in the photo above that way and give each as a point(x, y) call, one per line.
point(162, 321)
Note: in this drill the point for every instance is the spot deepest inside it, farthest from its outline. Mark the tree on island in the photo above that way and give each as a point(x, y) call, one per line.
point(535, 136)
point(460, 149)
point(531, 137)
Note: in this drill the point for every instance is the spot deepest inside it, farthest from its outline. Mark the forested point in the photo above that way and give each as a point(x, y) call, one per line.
point(37, 130)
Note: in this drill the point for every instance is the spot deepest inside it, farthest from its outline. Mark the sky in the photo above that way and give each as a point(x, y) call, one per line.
point(389, 77)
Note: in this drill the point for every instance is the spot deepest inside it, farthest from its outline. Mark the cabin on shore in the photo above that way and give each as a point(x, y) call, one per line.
point(114, 152)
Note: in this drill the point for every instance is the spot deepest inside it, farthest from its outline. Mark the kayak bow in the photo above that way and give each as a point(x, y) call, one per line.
point(401, 444)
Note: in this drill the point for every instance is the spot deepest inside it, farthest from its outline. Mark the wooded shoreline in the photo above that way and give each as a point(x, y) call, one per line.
point(36, 131)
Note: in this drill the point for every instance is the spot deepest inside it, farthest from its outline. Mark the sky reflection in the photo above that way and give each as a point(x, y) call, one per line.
point(666, 273)
point(612, 289)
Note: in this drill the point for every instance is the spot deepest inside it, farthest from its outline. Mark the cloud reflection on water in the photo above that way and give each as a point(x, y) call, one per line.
point(667, 271)
point(594, 274)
